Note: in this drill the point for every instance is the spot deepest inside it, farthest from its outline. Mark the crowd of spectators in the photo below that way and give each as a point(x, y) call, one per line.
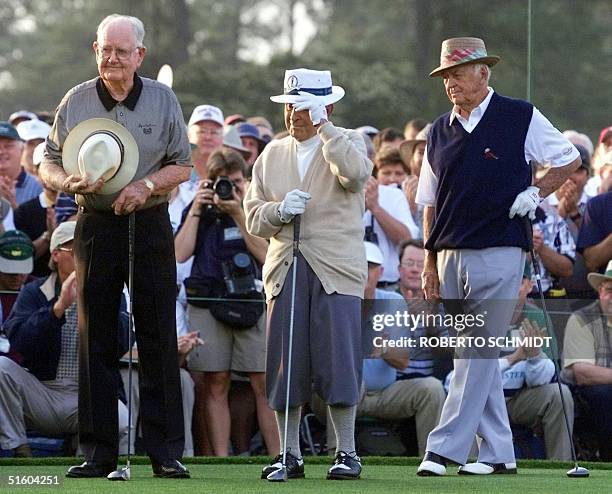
point(218, 261)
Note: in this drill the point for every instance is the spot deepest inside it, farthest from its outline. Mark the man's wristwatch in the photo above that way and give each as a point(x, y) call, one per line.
point(150, 185)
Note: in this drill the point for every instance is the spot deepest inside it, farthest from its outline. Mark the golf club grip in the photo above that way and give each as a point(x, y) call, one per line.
point(296, 233)
point(529, 232)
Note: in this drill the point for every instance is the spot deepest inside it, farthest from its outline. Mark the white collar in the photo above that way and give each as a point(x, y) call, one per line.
point(477, 112)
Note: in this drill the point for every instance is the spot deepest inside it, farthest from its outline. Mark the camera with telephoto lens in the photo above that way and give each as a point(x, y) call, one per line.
point(370, 235)
point(238, 274)
point(223, 187)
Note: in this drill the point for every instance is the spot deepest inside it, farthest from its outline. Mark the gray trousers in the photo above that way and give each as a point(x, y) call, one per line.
point(188, 394)
point(50, 407)
point(475, 405)
point(326, 353)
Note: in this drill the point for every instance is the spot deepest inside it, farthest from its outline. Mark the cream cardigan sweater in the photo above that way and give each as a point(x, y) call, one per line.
point(331, 235)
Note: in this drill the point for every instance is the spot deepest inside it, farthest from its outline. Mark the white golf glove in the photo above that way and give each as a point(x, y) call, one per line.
point(294, 203)
point(310, 102)
point(526, 203)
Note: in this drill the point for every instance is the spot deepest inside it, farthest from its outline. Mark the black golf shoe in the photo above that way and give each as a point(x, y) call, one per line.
point(295, 467)
point(347, 466)
point(89, 470)
point(170, 469)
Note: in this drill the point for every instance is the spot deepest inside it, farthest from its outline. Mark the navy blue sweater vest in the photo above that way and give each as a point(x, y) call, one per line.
point(479, 176)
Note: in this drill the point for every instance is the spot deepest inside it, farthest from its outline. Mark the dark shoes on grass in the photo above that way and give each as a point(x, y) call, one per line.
point(295, 467)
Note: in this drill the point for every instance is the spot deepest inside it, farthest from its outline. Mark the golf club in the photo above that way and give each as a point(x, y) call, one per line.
point(126, 472)
point(577, 471)
point(280, 475)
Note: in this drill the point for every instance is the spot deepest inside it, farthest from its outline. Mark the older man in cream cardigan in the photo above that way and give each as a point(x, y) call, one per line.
point(318, 172)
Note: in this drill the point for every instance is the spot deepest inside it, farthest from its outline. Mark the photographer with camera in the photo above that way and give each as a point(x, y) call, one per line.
point(227, 266)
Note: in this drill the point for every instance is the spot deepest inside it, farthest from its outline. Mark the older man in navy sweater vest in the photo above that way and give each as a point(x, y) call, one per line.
point(476, 184)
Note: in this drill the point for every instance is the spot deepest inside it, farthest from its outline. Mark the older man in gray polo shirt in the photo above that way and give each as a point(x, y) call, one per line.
point(150, 111)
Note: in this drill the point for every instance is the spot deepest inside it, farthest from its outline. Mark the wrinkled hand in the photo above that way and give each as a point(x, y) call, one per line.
point(371, 194)
point(310, 102)
point(430, 283)
point(7, 190)
point(293, 204)
point(131, 198)
point(526, 203)
point(76, 184)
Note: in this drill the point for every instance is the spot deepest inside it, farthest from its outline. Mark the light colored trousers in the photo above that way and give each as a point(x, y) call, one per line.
point(542, 405)
point(49, 407)
point(187, 391)
point(475, 406)
point(420, 397)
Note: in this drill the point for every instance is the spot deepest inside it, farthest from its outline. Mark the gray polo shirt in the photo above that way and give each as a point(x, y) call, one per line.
point(151, 113)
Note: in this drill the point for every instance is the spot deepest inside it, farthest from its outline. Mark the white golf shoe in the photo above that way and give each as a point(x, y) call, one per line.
point(433, 465)
point(483, 468)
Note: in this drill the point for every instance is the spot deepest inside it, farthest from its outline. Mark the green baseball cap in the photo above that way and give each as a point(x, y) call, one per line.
point(8, 131)
point(16, 253)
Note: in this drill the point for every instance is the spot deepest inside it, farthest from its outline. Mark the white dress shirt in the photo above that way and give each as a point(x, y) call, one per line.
point(544, 144)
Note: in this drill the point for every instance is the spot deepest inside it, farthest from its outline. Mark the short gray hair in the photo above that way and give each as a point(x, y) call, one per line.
point(136, 23)
point(478, 66)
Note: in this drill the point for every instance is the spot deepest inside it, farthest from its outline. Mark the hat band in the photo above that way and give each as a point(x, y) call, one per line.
point(317, 91)
point(119, 143)
point(462, 55)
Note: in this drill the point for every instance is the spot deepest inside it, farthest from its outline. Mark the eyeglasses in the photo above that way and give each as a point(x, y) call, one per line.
point(65, 249)
point(209, 132)
point(106, 52)
point(410, 263)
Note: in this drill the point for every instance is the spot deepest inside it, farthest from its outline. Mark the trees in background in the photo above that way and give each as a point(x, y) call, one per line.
point(232, 53)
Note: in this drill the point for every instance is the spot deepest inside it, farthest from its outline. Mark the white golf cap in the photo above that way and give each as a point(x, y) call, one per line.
point(33, 129)
point(373, 253)
point(202, 113)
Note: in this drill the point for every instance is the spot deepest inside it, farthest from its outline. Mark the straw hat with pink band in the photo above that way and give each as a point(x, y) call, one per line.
point(462, 51)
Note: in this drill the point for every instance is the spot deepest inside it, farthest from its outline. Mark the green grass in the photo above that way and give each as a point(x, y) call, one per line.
point(242, 477)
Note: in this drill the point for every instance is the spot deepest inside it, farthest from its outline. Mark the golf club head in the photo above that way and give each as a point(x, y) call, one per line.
point(279, 475)
point(578, 472)
point(121, 474)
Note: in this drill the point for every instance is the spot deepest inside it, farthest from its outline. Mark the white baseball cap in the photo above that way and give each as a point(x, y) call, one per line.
point(64, 232)
point(24, 114)
point(206, 112)
point(33, 129)
point(373, 253)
